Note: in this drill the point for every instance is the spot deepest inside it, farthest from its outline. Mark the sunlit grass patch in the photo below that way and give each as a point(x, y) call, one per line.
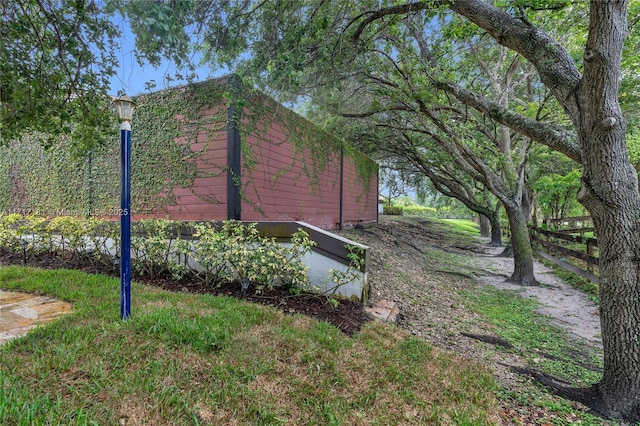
point(202, 359)
point(464, 226)
point(449, 262)
point(547, 347)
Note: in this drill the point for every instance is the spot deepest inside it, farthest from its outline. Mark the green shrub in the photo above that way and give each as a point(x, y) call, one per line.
point(232, 251)
point(70, 233)
point(238, 252)
point(155, 245)
point(91, 239)
point(10, 231)
point(208, 251)
point(339, 278)
point(420, 211)
point(392, 210)
point(30, 232)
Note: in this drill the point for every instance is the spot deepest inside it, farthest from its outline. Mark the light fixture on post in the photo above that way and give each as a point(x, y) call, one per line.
point(126, 108)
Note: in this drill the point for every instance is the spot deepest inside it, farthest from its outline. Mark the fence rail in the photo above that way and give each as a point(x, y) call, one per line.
point(578, 222)
point(558, 246)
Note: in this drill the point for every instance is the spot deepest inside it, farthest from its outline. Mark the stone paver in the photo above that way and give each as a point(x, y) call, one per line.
point(19, 312)
point(383, 310)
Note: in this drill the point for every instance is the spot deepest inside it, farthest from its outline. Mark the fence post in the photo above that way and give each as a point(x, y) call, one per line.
point(532, 235)
point(589, 252)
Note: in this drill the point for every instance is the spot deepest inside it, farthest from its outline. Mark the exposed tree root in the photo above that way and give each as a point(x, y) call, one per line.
point(589, 397)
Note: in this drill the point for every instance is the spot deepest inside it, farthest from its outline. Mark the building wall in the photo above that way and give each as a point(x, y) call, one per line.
point(289, 183)
point(290, 171)
point(188, 150)
point(360, 198)
point(206, 198)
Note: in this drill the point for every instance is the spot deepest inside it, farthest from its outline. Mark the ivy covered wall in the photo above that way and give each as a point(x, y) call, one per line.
point(297, 171)
point(181, 164)
point(52, 182)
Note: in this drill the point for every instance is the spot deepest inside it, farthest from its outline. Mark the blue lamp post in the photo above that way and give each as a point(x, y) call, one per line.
point(126, 107)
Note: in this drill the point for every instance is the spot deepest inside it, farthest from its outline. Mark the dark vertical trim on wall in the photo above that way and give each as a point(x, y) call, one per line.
point(340, 224)
point(233, 160)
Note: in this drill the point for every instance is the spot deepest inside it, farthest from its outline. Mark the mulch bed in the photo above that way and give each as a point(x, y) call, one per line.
point(348, 316)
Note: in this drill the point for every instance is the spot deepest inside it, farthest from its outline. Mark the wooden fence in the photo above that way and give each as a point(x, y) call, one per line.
point(571, 225)
point(577, 253)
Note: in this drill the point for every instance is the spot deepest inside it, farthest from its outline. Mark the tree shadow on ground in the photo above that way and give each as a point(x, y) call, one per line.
point(589, 397)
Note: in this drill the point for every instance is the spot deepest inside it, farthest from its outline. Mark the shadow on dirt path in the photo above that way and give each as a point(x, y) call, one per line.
point(569, 308)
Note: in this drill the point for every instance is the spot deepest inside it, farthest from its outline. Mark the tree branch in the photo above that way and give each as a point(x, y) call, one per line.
point(555, 138)
point(557, 69)
point(374, 15)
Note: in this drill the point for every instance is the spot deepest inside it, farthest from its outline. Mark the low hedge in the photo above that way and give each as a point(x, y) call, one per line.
point(421, 211)
point(392, 210)
point(231, 251)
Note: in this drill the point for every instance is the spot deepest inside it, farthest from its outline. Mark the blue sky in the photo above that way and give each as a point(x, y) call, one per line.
point(132, 78)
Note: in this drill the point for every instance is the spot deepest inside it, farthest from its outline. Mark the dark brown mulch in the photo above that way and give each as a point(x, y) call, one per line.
point(348, 316)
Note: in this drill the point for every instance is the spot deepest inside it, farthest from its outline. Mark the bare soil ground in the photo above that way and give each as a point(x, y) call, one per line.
point(409, 266)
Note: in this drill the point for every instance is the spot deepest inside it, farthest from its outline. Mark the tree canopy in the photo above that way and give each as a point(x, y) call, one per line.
point(56, 58)
point(483, 80)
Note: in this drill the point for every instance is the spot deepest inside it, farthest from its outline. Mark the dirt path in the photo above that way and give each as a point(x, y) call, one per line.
point(569, 308)
point(408, 266)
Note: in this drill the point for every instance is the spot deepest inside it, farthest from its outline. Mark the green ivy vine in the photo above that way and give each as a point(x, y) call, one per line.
point(166, 127)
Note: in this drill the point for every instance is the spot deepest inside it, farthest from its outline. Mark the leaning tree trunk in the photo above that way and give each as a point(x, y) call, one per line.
point(521, 245)
point(609, 191)
point(496, 231)
point(490, 227)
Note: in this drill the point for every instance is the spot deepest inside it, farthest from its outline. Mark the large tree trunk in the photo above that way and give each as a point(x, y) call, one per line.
point(618, 234)
point(609, 191)
point(521, 246)
point(496, 231)
point(615, 210)
point(485, 226)
point(609, 188)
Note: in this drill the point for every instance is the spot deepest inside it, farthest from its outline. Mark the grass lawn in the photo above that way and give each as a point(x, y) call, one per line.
point(200, 359)
point(463, 226)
